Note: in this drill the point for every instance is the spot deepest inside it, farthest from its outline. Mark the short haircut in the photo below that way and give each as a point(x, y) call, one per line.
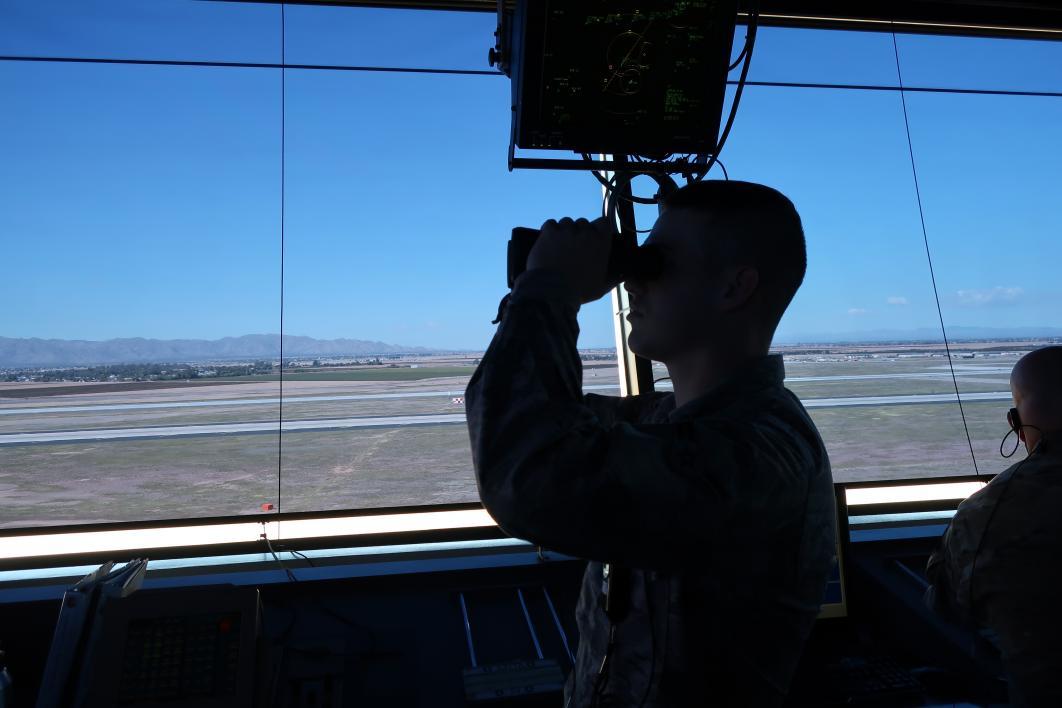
point(1038, 376)
point(751, 225)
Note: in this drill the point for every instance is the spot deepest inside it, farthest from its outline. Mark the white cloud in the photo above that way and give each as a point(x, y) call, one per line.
point(856, 311)
point(990, 296)
point(897, 300)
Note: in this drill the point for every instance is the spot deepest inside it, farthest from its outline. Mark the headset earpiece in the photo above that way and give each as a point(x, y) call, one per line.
point(1014, 418)
point(1014, 421)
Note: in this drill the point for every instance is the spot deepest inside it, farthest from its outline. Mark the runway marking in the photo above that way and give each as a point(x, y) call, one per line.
point(907, 400)
point(171, 431)
point(403, 420)
point(249, 401)
point(912, 375)
point(273, 401)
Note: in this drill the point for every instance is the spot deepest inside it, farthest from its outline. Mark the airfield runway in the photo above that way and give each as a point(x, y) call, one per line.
point(91, 453)
point(35, 410)
point(271, 426)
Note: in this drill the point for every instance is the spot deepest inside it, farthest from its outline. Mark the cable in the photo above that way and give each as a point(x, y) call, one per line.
point(287, 571)
point(754, 18)
point(304, 557)
point(750, 45)
point(744, 49)
point(602, 672)
point(298, 554)
point(370, 634)
point(907, 89)
point(929, 256)
point(726, 175)
point(1017, 443)
point(472, 72)
point(694, 175)
point(652, 638)
point(615, 188)
point(254, 65)
point(283, 200)
point(741, 56)
point(610, 184)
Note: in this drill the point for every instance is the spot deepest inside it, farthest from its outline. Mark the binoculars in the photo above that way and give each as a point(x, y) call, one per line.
point(626, 259)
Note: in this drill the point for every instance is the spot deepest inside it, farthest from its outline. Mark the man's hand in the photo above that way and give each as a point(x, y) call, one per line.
point(579, 251)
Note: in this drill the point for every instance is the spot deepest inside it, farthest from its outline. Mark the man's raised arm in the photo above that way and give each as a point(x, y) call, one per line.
point(551, 471)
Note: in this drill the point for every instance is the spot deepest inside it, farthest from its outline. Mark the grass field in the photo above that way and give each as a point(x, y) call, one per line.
point(234, 474)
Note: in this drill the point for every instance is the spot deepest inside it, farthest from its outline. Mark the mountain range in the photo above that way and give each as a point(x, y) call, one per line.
point(40, 353)
point(136, 350)
point(925, 334)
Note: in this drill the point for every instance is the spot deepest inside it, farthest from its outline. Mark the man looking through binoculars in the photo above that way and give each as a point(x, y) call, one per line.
point(707, 515)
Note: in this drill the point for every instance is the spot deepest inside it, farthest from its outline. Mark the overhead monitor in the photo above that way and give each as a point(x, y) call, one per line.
point(628, 77)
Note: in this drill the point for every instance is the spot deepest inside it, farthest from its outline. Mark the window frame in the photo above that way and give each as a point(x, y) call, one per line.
point(635, 378)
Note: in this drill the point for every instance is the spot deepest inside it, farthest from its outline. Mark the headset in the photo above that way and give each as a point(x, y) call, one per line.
point(1014, 421)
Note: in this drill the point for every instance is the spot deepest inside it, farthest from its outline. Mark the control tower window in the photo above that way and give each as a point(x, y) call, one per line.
point(862, 340)
point(141, 358)
point(140, 374)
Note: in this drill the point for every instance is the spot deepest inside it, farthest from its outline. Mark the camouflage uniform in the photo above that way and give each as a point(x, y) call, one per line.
point(1000, 565)
point(720, 514)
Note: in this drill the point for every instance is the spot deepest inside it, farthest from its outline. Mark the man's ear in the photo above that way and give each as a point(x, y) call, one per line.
point(740, 287)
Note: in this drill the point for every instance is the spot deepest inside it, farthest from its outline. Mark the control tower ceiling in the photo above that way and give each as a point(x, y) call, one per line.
point(997, 18)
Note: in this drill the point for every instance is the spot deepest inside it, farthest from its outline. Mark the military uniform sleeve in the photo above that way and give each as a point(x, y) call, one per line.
point(951, 567)
point(554, 471)
point(608, 409)
point(939, 596)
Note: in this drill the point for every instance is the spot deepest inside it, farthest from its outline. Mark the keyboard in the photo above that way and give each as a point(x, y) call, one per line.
point(875, 680)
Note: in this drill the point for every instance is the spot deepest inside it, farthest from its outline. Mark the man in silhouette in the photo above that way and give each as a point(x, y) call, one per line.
point(1000, 561)
point(707, 514)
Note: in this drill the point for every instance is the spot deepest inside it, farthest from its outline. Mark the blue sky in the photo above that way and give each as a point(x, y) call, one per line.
point(145, 201)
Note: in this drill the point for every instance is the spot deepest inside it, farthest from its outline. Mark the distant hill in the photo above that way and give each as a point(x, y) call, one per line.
point(927, 334)
point(62, 352)
point(38, 353)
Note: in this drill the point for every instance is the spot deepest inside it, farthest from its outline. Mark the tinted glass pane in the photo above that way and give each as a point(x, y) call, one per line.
point(820, 56)
point(184, 30)
point(975, 62)
point(140, 230)
point(399, 210)
point(994, 229)
point(862, 341)
point(143, 209)
point(364, 36)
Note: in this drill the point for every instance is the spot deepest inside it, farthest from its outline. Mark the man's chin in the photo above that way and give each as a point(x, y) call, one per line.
point(639, 346)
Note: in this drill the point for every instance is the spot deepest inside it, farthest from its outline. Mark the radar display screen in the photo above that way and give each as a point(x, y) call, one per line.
point(631, 77)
